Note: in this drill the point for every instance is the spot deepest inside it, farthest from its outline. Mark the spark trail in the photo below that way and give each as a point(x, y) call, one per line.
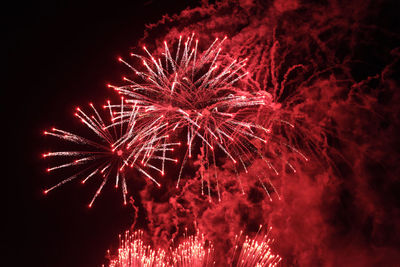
point(193, 251)
point(254, 252)
point(204, 99)
point(122, 143)
point(133, 253)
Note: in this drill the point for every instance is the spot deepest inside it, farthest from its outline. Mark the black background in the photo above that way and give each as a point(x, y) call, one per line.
point(60, 55)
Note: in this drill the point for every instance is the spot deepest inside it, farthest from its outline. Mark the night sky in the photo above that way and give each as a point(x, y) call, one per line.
point(341, 209)
point(60, 55)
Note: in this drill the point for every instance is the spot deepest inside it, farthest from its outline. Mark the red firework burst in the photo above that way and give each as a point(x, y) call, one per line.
point(204, 97)
point(121, 142)
point(254, 251)
point(133, 253)
point(194, 251)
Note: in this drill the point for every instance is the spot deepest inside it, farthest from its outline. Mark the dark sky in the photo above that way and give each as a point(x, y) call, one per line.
point(341, 209)
point(60, 54)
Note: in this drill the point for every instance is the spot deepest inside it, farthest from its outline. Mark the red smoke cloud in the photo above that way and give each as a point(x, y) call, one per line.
point(330, 66)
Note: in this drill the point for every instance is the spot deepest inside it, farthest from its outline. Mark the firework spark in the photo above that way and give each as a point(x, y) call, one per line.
point(123, 143)
point(193, 252)
point(133, 253)
point(255, 252)
point(202, 96)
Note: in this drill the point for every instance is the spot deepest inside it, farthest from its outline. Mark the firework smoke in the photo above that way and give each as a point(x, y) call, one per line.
point(328, 77)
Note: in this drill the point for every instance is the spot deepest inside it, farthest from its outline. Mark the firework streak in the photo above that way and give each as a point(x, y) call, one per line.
point(123, 142)
point(133, 253)
point(194, 251)
point(254, 252)
point(199, 96)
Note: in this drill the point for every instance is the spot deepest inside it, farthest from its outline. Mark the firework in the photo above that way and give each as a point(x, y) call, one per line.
point(254, 252)
point(194, 251)
point(203, 97)
point(122, 142)
point(133, 253)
